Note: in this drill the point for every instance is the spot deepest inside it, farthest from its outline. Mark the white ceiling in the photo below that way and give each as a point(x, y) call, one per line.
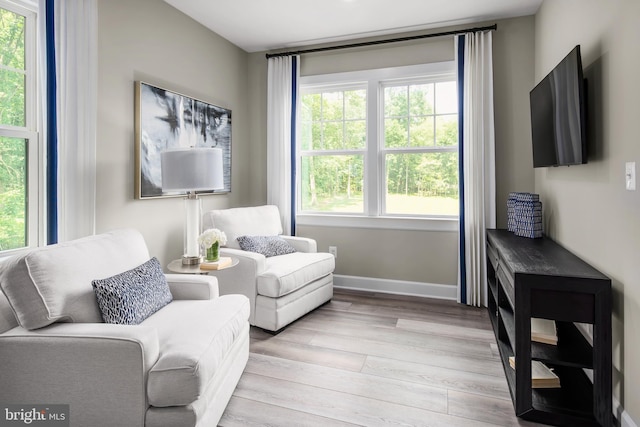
point(259, 25)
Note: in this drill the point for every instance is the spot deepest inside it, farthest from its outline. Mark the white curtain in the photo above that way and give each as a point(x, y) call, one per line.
point(75, 24)
point(283, 75)
point(478, 163)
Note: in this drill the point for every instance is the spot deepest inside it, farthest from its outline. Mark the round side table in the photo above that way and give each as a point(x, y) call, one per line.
point(176, 266)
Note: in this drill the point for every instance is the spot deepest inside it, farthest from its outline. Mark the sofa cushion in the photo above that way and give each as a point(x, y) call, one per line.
point(7, 318)
point(286, 273)
point(266, 245)
point(194, 337)
point(252, 221)
point(130, 297)
point(53, 283)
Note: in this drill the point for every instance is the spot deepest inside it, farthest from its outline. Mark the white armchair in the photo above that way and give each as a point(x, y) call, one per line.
point(178, 367)
point(280, 288)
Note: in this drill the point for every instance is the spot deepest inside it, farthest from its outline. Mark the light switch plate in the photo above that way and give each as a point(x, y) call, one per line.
point(630, 176)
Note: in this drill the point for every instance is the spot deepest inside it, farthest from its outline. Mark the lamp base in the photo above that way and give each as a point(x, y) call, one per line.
point(191, 260)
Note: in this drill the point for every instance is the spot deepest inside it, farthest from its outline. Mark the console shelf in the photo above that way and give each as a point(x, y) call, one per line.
point(539, 278)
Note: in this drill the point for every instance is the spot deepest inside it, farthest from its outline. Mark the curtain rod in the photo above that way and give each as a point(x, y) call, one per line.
point(376, 42)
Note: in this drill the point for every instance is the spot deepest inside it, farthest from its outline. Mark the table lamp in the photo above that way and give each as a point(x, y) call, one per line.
point(191, 170)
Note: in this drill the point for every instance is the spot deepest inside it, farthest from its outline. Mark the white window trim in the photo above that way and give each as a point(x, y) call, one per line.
point(35, 150)
point(446, 224)
point(376, 80)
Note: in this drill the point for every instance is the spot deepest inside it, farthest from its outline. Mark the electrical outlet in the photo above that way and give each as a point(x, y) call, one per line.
point(333, 250)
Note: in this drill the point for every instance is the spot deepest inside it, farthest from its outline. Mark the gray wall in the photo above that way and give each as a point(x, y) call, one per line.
point(586, 208)
point(151, 41)
point(421, 256)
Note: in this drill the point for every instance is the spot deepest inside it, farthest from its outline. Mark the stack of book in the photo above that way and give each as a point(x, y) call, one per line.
point(542, 331)
point(541, 375)
point(223, 262)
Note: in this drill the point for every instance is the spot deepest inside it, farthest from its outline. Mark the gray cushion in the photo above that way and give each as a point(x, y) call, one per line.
point(266, 245)
point(130, 297)
point(7, 318)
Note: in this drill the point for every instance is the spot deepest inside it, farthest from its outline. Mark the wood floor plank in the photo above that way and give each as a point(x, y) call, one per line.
point(297, 335)
point(337, 304)
point(427, 316)
point(494, 350)
point(311, 354)
point(373, 387)
point(486, 385)
point(343, 407)
point(412, 303)
point(369, 319)
point(259, 334)
point(244, 412)
point(436, 358)
point(483, 408)
point(396, 336)
point(459, 332)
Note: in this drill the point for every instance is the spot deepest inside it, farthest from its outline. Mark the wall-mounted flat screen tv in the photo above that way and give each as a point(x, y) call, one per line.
point(558, 115)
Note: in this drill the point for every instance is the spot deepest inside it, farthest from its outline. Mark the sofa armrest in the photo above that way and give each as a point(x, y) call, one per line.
point(302, 244)
point(192, 287)
point(242, 278)
point(99, 369)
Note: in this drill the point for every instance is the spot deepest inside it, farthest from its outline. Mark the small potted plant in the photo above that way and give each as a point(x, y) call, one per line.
point(211, 240)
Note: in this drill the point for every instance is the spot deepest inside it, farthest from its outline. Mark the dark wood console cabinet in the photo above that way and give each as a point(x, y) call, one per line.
point(539, 278)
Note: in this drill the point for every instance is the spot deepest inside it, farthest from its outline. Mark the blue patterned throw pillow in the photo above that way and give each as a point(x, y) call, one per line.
point(266, 245)
point(130, 297)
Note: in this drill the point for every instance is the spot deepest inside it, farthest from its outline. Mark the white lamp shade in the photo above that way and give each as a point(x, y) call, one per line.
point(192, 169)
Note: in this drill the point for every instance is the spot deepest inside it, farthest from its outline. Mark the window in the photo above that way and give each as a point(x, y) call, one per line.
point(19, 147)
point(333, 143)
point(380, 143)
point(420, 148)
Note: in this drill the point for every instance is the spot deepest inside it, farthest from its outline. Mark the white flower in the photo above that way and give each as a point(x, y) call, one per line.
point(212, 235)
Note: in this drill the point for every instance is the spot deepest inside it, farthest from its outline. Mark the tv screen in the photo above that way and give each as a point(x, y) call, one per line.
point(558, 115)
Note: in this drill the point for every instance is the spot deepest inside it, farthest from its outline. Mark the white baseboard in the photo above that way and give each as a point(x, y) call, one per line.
point(398, 287)
point(624, 419)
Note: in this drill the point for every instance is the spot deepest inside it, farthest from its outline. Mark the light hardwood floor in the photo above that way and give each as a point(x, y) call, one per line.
point(373, 359)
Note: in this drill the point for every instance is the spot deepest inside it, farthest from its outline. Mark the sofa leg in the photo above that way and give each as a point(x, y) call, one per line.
point(274, 333)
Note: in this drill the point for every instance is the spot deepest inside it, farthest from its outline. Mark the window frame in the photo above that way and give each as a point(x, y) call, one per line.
point(30, 132)
point(384, 151)
point(300, 153)
point(374, 215)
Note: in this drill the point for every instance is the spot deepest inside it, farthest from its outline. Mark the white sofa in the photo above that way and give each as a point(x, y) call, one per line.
point(178, 367)
point(280, 288)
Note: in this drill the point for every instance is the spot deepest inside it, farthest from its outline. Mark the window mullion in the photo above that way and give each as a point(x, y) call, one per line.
point(409, 117)
point(372, 162)
point(320, 153)
point(418, 150)
point(321, 122)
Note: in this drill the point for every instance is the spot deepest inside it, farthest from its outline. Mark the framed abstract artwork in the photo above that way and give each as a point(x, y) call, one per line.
point(167, 120)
